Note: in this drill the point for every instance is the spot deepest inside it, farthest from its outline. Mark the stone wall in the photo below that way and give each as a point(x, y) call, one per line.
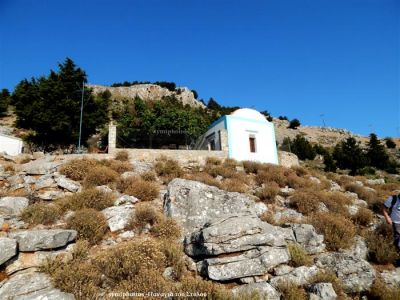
point(183, 156)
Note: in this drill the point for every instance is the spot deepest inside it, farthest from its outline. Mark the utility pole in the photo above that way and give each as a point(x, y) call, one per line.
point(80, 120)
point(322, 117)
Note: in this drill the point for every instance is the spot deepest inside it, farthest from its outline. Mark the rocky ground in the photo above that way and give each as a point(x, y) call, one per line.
point(226, 229)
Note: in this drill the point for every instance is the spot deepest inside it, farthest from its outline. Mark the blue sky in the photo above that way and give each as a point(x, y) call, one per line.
point(299, 58)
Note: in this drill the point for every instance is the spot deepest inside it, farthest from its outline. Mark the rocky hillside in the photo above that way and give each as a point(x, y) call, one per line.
point(149, 92)
point(96, 227)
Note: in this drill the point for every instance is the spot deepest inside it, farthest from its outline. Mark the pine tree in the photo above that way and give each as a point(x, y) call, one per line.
point(349, 155)
point(376, 153)
point(4, 100)
point(50, 106)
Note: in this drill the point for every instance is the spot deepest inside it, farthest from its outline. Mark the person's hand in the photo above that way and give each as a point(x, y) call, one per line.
point(389, 221)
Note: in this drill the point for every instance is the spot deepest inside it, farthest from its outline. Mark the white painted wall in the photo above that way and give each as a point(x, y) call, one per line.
point(10, 145)
point(239, 131)
point(220, 126)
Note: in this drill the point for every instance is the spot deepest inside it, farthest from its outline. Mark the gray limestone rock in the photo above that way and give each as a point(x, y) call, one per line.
point(34, 240)
point(45, 181)
point(250, 263)
point(193, 204)
point(118, 217)
point(42, 166)
point(68, 184)
point(124, 199)
point(48, 294)
point(233, 233)
point(308, 238)
point(299, 276)
point(12, 205)
point(356, 274)
point(391, 278)
point(8, 249)
point(264, 290)
point(322, 291)
point(359, 248)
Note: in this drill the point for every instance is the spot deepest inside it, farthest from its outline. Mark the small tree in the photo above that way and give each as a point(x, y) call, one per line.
point(283, 118)
point(302, 148)
point(4, 100)
point(330, 164)
point(195, 94)
point(376, 153)
point(267, 115)
point(349, 155)
point(389, 143)
point(294, 124)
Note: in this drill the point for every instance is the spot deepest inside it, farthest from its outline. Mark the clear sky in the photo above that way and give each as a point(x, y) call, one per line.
point(299, 58)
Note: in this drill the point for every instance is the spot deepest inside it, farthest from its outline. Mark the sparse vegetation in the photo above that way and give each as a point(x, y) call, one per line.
point(268, 192)
point(141, 189)
point(298, 256)
point(122, 155)
point(381, 290)
point(100, 175)
point(363, 217)
point(166, 228)
point(88, 198)
point(41, 213)
point(337, 230)
point(90, 224)
point(144, 214)
point(328, 276)
point(77, 169)
point(380, 245)
point(291, 291)
point(168, 168)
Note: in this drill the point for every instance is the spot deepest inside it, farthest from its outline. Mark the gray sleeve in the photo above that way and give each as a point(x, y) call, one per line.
point(388, 202)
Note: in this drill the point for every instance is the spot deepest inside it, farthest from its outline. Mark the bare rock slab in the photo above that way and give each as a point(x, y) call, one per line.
point(264, 290)
point(356, 274)
point(250, 263)
point(31, 285)
point(8, 249)
point(34, 240)
point(233, 233)
point(193, 204)
point(12, 205)
point(322, 291)
point(68, 184)
point(118, 217)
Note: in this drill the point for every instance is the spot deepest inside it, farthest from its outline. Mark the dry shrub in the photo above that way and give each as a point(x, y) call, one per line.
point(100, 175)
point(117, 166)
point(144, 214)
point(77, 169)
point(126, 260)
point(80, 250)
point(268, 193)
point(122, 155)
point(147, 281)
point(166, 228)
point(291, 291)
point(296, 182)
point(141, 189)
point(174, 256)
point(197, 285)
point(204, 178)
point(306, 201)
point(337, 230)
point(380, 245)
point(41, 213)
point(230, 163)
point(380, 290)
point(272, 173)
point(369, 196)
point(90, 224)
point(328, 276)
point(148, 176)
point(88, 198)
point(9, 167)
point(300, 171)
point(213, 161)
point(344, 180)
point(299, 256)
point(251, 166)
point(226, 172)
point(234, 185)
point(168, 168)
point(268, 217)
point(80, 278)
point(336, 202)
point(363, 217)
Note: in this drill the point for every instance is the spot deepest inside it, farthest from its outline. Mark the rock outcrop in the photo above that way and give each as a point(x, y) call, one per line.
point(34, 240)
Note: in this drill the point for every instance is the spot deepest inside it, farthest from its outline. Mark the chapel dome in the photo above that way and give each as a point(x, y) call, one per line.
point(248, 113)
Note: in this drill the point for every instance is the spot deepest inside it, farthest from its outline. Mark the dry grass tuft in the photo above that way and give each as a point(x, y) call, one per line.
point(148, 176)
point(77, 169)
point(363, 217)
point(88, 198)
point(144, 214)
point(291, 291)
point(380, 290)
point(168, 169)
point(268, 193)
point(141, 189)
point(380, 245)
point(90, 224)
point(204, 178)
point(166, 228)
point(213, 161)
point(338, 231)
point(369, 196)
point(306, 201)
point(117, 166)
point(100, 175)
point(251, 166)
point(328, 276)
point(196, 285)
point(234, 185)
point(122, 155)
point(299, 256)
point(41, 213)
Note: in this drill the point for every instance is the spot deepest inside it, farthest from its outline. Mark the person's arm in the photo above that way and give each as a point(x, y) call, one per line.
point(386, 215)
